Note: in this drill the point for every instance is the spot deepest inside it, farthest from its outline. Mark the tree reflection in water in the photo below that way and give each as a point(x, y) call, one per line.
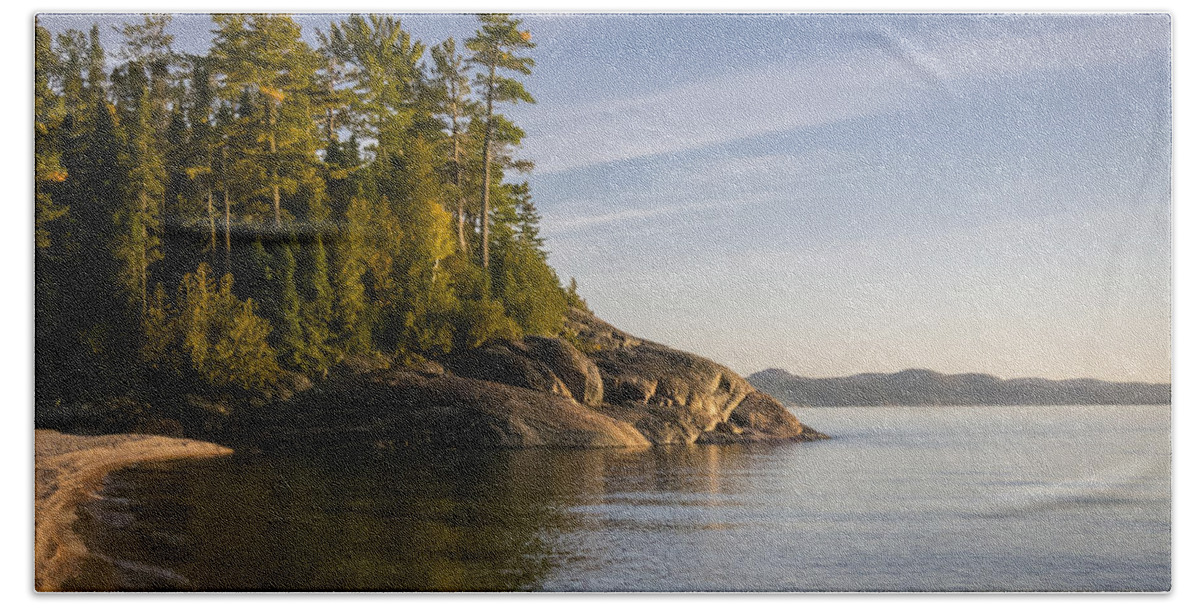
point(378, 520)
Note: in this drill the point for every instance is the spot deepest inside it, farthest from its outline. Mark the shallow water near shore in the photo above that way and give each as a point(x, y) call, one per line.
point(1036, 498)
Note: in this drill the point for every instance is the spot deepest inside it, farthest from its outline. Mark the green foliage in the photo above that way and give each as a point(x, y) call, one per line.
point(248, 158)
point(268, 74)
point(158, 328)
point(47, 122)
point(427, 303)
point(521, 278)
point(352, 313)
point(317, 318)
point(139, 219)
point(484, 320)
point(383, 75)
point(530, 290)
point(574, 300)
point(292, 342)
point(221, 337)
point(495, 47)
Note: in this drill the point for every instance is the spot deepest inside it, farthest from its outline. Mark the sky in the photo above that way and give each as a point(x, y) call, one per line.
point(844, 193)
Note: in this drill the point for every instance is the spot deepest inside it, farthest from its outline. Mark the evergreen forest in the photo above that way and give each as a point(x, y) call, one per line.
point(219, 223)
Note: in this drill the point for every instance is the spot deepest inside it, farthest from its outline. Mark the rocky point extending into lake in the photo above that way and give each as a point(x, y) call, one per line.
point(612, 390)
point(602, 388)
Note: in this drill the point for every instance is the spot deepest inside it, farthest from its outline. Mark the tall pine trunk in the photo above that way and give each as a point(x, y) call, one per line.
point(462, 200)
point(274, 168)
point(228, 247)
point(143, 262)
point(212, 223)
point(487, 163)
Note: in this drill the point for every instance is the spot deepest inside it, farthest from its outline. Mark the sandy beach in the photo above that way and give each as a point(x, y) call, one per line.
point(68, 469)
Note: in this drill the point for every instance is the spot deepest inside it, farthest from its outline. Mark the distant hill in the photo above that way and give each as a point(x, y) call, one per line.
point(925, 387)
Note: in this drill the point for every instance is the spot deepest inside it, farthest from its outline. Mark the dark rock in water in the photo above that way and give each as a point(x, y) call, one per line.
point(669, 395)
point(759, 417)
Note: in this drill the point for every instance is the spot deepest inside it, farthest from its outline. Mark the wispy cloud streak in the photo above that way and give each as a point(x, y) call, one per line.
point(857, 83)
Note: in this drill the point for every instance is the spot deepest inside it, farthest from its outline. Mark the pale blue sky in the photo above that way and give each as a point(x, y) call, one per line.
point(845, 193)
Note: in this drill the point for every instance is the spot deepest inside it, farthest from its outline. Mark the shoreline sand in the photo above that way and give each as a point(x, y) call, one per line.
point(68, 469)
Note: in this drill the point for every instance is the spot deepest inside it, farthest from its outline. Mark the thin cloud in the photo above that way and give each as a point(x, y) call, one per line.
point(859, 83)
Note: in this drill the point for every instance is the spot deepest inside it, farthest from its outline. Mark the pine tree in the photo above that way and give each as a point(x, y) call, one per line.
point(352, 322)
point(318, 315)
point(200, 161)
point(525, 283)
point(449, 72)
point(47, 122)
point(149, 45)
point(268, 71)
point(292, 340)
point(139, 220)
point(381, 62)
point(493, 48)
point(353, 304)
point(427, 241)
point(72, 51)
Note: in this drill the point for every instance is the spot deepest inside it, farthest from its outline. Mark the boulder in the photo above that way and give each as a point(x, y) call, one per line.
point(669, 395)
point(577, 372)
point(401, 407)
point(510, 363)
point(537, 363)
point(759, 417)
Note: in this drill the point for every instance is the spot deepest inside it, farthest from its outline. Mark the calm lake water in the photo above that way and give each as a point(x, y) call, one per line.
point(915, 498)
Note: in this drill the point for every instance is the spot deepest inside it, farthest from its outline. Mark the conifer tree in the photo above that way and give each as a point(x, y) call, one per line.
point(96, 66)
point(426, 242)
point(454, 88)
point(72, 50)
point(524, 282)
point(139, 219)
point(204, 144)
point(47, 121)
point(494, 48)
point(149, 45)
point(268, 72)
point(352, 322)
point(353, 314)
point(381, 62)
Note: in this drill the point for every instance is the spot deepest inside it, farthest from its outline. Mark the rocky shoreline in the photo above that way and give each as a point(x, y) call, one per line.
point(603, 388)
point(597, 388)
point(594, 386)
point(68, 469)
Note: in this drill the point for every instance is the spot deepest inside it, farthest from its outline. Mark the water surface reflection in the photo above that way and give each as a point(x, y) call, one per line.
point(385, 520)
